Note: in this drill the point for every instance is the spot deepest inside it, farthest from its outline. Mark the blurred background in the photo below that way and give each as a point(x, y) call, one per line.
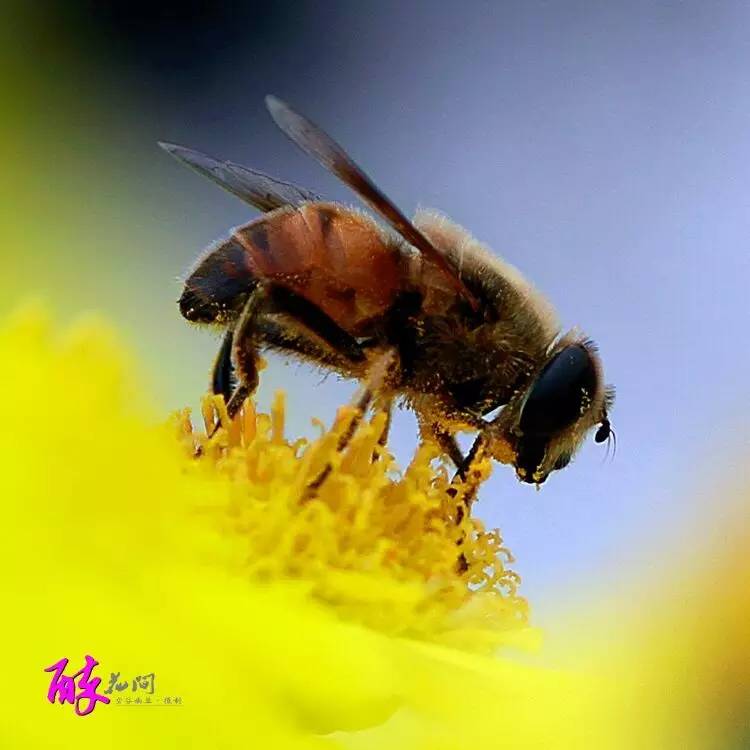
point(603, 148)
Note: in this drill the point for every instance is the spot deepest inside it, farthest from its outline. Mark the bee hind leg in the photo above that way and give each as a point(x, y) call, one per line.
point(238, 353)
point(222, 375)
point(254, 327)
point(293, 337)
point(312, 318)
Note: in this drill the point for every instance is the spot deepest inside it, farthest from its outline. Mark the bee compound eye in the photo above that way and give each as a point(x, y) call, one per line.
point(559, 394)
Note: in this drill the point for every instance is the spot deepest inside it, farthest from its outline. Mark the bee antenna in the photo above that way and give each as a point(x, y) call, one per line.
point(606, 432)
point(613, 439)
point(611, 444)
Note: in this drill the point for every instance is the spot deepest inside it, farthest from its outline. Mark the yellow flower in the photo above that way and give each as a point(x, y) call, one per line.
point(377, 547)
point(279, 620)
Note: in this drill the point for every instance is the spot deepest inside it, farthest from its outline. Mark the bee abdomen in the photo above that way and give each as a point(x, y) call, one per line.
point(336, 258)
point(214, 290)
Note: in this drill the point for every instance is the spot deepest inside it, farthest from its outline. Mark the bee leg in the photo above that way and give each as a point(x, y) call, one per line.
point(464, 465)
point(238, 344)
point(361, 405)
point(222, 375)
point(378, 374)
point(475, 454)
point(466, 478)
point(383, 439)
point(297, 338)
point(286, 301)
point(447, 443)
point(245, 353)
point(293, 337)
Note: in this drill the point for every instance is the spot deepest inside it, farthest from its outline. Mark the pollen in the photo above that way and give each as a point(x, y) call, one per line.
point(392, 549)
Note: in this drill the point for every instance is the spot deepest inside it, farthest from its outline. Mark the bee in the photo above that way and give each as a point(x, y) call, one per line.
point(462, 332)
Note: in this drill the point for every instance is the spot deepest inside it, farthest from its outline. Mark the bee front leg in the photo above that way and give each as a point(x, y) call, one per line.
point(446, 442)
point(475, 454)
point(467, 478)
point(466, 482)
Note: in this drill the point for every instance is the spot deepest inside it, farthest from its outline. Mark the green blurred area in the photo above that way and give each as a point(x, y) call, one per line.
point(90, 214)
point(79, 216)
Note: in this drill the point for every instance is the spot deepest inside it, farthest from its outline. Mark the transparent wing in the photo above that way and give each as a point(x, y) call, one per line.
point(258, 189)
point(318, 144)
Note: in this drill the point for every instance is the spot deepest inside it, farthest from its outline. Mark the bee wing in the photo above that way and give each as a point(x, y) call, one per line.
point(318, 144)
point(258, 189)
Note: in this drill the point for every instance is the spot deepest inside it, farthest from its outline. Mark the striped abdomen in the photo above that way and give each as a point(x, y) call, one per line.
point(336, 258)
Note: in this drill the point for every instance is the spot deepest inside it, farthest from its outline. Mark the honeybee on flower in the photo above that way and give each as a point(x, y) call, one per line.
point(460, 331)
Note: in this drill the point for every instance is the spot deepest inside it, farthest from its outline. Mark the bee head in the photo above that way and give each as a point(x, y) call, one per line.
point(564, 401)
